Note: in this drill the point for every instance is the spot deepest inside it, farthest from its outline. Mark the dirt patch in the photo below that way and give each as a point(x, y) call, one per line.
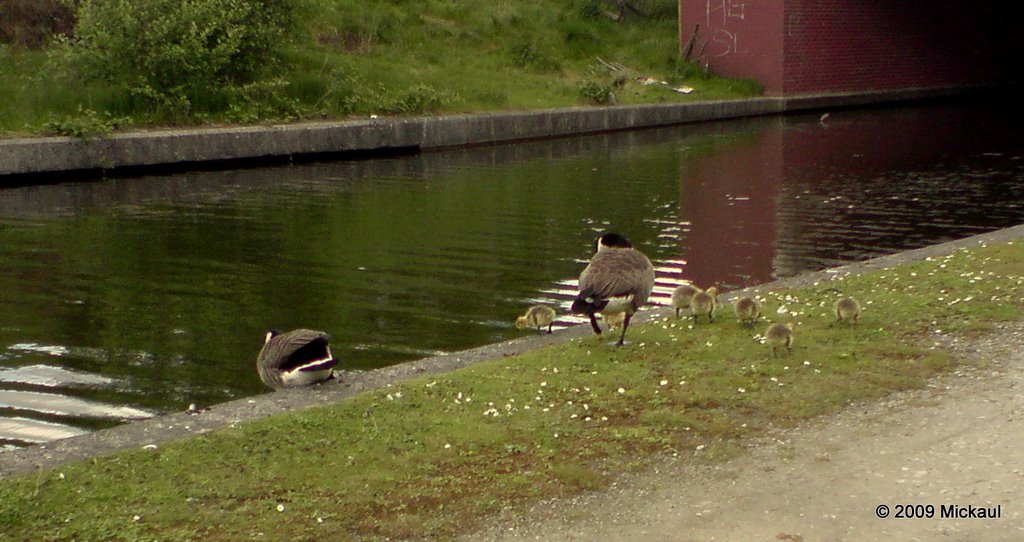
point(956, 442)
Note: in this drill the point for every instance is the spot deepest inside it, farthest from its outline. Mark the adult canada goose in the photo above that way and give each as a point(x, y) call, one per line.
point(779, 335)
point(619, 278)
point(747, 310)
point(847, 308)
point(681, 297)
point(704, 303)
point(295, 358)
point(537, 316)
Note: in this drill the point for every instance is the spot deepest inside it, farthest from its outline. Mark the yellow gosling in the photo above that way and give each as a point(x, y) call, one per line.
point(704, 303)
point(537, 316)
point(848, 309)
point(614, 319)
point(779, 335)
point(681, 297)
point(747, 310)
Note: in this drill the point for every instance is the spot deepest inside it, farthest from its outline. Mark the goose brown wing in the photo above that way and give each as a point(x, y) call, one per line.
point(280, 349)
point(614, 273)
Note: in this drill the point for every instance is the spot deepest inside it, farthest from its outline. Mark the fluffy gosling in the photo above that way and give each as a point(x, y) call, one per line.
point(847, 308)
point(681, 297)
point(537, 316)
point(779, 335)
point(614, 319)
point(704, 303)
point(747, 310)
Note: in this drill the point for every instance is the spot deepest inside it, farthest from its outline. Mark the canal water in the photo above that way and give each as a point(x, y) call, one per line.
point(125, 298)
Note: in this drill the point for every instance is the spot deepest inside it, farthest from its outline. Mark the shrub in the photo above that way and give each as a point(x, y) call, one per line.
point(170, 51)
point(598, 92)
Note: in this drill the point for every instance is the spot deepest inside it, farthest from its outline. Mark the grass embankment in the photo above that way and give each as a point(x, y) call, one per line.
point(430, 456)
point(362, 57)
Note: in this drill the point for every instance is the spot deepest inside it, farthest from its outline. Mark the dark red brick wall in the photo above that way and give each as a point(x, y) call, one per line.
point(833, 45)
point(807, 46)
point(737, 38)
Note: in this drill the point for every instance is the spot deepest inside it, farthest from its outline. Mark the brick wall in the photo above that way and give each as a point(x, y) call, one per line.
point(807, 46)
point(835, 45)
point(737, 38)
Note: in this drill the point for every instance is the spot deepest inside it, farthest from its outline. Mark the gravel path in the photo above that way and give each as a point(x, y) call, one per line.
point(957, 442)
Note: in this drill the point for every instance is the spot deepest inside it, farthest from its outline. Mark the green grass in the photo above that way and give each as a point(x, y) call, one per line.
point(358, 58)
point(430, 457)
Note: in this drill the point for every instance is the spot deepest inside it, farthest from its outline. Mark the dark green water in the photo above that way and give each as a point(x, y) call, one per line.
point(126, 297)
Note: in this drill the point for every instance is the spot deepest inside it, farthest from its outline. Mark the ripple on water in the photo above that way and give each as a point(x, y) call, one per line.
point(65, 405)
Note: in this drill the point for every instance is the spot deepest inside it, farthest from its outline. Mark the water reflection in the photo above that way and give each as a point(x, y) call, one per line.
point(149, 294)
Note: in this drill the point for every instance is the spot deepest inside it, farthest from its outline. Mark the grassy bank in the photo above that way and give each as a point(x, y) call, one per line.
point(357, 58)
point(429, 457)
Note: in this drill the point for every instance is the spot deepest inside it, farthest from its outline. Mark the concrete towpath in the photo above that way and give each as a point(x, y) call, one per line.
point(956, 443)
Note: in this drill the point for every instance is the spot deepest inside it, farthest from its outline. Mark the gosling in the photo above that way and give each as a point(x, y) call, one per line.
point(848, 309)
point(614, 319)
point(681, 297)
point(704, 303)
point(747, 310)
point(537, 316)
point(779, 335)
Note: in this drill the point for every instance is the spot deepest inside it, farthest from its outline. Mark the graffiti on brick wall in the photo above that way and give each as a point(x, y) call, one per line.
point(724, 17)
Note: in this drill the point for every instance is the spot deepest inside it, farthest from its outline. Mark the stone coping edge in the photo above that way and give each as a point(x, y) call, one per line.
point(40, 158)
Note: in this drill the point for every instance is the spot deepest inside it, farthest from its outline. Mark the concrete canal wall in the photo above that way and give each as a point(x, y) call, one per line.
point(44, 158)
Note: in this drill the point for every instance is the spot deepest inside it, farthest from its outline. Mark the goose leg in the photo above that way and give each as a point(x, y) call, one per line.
point(549, 328)
point(625, 324)
point(593, 324)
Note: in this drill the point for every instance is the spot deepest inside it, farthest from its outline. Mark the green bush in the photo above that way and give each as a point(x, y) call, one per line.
point(169, 52)
point(598, 92)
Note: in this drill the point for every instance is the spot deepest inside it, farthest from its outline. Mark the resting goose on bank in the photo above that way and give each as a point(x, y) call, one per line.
point(618, 279)
point(537, 316)
point(295, 358)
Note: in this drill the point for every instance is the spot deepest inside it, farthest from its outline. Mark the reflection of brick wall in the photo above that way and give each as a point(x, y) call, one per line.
point(804, 46)
point(728, 198)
